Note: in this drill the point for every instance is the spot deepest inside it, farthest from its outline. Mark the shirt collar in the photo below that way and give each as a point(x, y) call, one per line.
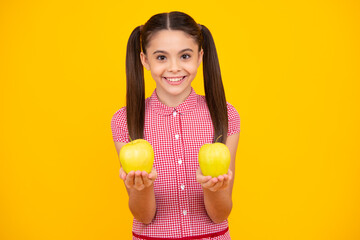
point(188, 105)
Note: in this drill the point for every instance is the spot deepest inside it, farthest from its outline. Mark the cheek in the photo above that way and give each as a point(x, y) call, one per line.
point(192, 68)
point(157, 69)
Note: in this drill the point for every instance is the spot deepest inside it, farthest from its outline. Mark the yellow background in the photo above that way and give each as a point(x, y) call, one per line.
point(291, 68)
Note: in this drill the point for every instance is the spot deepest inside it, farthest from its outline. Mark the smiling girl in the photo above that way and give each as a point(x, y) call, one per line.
point(175, 201)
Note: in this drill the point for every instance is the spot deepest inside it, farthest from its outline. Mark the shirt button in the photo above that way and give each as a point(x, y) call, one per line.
point(180, 161)
point(182, 187)
point(174, 114)
point(184, 212)
point(176, 136)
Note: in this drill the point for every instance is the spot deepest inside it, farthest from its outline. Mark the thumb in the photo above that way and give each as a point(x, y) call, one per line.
point(153, 174)
point(122, 174)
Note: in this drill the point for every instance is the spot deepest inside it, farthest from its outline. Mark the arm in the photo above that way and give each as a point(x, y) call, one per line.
point(218, 191)
point(140, 188)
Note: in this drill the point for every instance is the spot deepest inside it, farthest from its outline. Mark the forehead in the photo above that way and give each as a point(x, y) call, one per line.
point(171, 40)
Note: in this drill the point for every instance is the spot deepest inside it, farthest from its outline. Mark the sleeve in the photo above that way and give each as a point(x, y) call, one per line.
point(233, 119)
point(119, 126)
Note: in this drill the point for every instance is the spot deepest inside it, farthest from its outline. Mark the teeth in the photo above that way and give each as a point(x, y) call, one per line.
point(174, 79)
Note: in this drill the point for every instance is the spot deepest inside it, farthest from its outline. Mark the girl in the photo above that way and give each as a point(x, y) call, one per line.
point(175, 201)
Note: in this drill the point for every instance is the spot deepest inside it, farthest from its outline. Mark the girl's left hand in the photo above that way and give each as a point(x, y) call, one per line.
point(214, 183)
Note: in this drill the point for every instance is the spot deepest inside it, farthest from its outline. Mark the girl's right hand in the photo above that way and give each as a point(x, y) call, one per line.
point(138, 180)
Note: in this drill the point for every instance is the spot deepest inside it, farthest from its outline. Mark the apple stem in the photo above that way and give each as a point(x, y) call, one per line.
point(130, 138)
point(218, 138)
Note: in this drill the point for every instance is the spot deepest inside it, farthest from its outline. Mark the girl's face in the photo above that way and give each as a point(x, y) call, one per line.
point(173, 58)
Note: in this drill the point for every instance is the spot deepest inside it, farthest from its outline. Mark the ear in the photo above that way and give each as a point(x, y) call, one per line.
point(144, 61)
point(201, 54)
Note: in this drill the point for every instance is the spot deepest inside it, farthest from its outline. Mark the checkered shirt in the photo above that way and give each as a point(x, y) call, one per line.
point(176, 134)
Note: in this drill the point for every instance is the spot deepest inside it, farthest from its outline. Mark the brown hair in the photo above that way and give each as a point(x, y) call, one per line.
point(214, 90)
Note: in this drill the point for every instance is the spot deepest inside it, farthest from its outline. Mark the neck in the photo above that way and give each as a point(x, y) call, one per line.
point(173, 100)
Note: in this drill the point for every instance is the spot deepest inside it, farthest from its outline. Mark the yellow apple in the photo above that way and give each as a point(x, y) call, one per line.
point(214, 159)
point(137, 155)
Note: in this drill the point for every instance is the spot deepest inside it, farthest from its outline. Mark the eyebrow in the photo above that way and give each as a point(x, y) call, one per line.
point(184, 50)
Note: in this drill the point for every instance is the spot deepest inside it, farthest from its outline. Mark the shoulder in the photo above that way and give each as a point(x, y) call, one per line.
point(119, 117)
point(232, 112)
point(120, 113)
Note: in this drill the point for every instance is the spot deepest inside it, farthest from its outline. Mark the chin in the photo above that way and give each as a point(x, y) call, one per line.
point(179, 90)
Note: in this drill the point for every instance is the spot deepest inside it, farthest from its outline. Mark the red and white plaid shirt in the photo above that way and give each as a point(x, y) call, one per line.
point(176, 135)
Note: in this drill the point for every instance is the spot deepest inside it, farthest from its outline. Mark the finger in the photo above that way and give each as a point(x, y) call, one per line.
point(129, 181)
point(138, 183)
point(225, 185)
point(203, 179)
point(198, 175)
point(230, 174)
point(153, 174)
point(221, 178)
point(226, 181)
point(122, 174)
point(217, 186)
point(145, 177)
point(211, 183)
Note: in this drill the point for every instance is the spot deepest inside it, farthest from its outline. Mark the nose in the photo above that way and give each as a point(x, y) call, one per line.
point(174, 66)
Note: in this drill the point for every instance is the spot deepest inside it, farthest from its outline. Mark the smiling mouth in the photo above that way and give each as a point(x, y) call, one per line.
point(175, 79)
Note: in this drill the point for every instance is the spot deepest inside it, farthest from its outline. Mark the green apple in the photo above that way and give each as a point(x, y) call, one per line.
point(137, 155)
point(214, 159)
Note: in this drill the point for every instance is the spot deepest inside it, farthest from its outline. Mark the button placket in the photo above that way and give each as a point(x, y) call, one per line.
point(180, 169)
point(178, 154)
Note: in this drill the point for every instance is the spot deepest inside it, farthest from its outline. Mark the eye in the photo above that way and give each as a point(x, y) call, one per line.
point(185, 56)
point(161, 57)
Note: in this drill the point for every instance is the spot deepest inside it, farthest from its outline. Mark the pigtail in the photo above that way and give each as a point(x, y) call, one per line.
point(135, 87)
point(214, 89)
